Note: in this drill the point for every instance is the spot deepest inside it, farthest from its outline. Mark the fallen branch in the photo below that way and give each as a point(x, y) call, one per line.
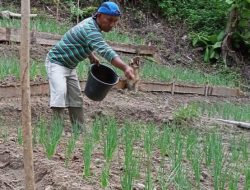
point(237, 123)
point(240, 124)
point(9, 14)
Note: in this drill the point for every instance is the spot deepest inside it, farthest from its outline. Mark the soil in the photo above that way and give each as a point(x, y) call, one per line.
point(51, 174)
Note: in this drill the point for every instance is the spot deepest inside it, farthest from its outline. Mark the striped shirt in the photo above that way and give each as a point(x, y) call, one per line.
point(78, 43)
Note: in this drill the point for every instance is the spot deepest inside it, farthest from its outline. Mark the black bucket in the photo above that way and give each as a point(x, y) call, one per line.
point(100, 80)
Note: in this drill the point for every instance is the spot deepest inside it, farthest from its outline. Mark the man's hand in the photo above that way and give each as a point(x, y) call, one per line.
point(129, 72)
point(93, 59)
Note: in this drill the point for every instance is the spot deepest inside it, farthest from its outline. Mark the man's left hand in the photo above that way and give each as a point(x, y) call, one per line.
point(93, 59)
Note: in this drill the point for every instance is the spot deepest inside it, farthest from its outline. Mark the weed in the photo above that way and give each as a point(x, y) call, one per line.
point(96, 129)
point(71, 144)
point(110, 145)
point(4, 133)
point(105, 177)
point(111, 139)
point(87, 153)
point(233, 182)
point(50, 138)
point(186, 114)
point(148, 146)
point(247, 178)
point(130, 161)
point(20, 135)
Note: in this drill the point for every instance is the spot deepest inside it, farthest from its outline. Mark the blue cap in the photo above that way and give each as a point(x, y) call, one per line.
point(109, 8)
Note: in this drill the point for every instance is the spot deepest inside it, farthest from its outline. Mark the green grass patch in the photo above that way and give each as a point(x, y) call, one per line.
point(40, 23)
point(50, 25)
point(152, 71)
point(119, 37)
point(9, 66)
point(226, 110)
point(159, 156)
point(221, 110)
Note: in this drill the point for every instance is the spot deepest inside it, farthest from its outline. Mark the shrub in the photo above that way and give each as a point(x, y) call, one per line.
point(206, 15)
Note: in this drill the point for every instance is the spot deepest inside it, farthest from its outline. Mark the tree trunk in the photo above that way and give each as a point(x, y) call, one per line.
point(231, 57)
point(26, 111)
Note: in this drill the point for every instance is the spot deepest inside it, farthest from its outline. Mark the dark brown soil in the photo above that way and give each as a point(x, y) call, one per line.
point(52, 174)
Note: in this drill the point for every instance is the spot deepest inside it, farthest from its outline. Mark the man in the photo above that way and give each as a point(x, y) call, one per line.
point(76, 45)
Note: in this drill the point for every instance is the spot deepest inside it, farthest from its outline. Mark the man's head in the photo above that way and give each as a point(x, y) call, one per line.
point(108, 15)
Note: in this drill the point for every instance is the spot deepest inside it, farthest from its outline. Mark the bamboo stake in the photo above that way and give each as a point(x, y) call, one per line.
point(26, 110)
point(78, 5)
point(236, 123)
point(239, 124)
point(9, 14)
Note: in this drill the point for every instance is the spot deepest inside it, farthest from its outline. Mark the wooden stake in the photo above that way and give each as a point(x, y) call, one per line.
point(26, 110)
point(77, 16)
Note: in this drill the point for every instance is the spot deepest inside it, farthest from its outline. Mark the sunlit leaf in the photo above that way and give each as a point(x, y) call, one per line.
point(229, 2)
point(194, 42)
point(217, 45)
point(207, 55)
point(221, 36)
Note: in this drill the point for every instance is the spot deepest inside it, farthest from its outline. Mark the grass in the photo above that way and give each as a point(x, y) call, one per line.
point(130, 162)
point(71, 146)
point(44, 24)
point(152, 71)
point(167, 156)
point(118, 37)
point(49, 136)
point(148, 148)
point(87, 153)
point(219, 110)
point(110, 145)
point(225, 110)
point(9, 66)
point(4, 133)
point(40, 23)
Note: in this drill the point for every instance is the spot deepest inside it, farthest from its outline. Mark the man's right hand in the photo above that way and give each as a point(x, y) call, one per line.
point(129, 73)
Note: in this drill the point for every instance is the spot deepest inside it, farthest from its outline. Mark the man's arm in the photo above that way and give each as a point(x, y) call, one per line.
point(128, 71)
point(93, 59)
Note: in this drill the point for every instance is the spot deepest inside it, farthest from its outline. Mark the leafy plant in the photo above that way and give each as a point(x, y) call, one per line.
point(201, 16)
point(211, 43)
point(81, 13)
point(186, 114)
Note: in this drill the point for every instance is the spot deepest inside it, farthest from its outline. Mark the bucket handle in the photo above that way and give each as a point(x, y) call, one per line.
point(104, 63)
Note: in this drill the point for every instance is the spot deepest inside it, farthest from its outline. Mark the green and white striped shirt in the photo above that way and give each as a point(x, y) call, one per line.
point(78, 43)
